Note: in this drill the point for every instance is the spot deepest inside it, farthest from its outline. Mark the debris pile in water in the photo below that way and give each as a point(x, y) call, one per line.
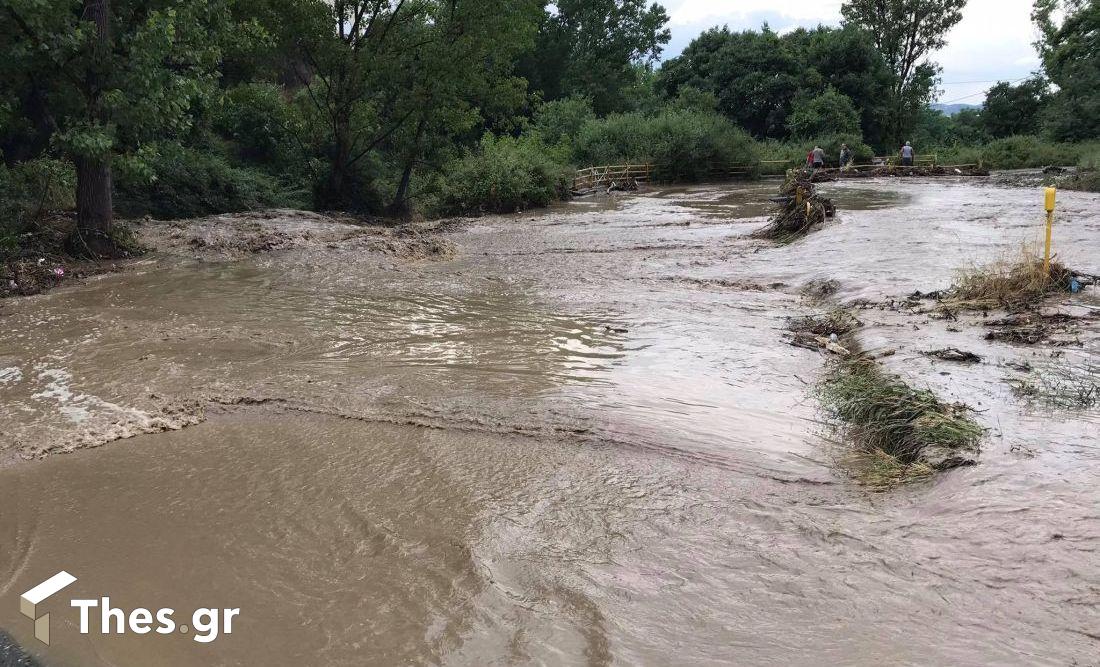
point(884, 171)
point(801, 209)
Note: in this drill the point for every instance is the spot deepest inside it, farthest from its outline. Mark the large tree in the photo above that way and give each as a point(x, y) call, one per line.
point(757, 76)
point(1013, 109)
point(390, 82)
point(1070, 49)
point(907, 33)
point(590, 48)
point(103, 77)
point(754, 75)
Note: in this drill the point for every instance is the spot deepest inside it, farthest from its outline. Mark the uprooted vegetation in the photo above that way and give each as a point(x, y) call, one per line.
point(1062, 386)
point(898, 432)
point(893, 433)
point(801, 209)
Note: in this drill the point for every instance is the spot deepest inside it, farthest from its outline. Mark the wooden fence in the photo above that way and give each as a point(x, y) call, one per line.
point(593, 178)
point(596, 177)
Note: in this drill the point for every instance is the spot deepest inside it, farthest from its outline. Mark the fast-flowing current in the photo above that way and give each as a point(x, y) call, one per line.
point(578, 437)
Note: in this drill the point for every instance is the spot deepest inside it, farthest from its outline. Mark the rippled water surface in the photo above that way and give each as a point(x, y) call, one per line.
point(580, 440)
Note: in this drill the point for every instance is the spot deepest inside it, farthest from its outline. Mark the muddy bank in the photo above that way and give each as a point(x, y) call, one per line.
point(230, 237)
point(237, 235)
point(579, 437)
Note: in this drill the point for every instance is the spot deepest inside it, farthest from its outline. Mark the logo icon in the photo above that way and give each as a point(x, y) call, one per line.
point(29, 601)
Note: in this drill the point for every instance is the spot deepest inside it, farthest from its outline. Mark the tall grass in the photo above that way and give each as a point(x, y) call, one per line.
point(1007, 283)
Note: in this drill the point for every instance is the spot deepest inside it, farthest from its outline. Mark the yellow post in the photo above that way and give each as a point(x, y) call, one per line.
point(1051, 195)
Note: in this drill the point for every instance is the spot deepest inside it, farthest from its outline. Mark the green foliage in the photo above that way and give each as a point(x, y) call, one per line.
point(754, 75)
point(561, 120)
point(1010, 110)
point(1071, 57)
point(759, 77)
point(906, 32)
point(29, 189)
point(828, 113)
point(682, 145)
point(503, 175)
point(591, 48)
point(884, 414)
point(260, 123)
point(178, 182)
point(1028, 151)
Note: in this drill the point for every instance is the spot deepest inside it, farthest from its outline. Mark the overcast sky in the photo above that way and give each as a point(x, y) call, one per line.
point(992, 43)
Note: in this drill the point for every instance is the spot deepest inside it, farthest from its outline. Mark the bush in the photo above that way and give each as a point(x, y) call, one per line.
point(1026, 151)
point(29, 189)
point(503, 175)
point(175, 182)
point(562, 120)
point(825, 114)
point(681, 144)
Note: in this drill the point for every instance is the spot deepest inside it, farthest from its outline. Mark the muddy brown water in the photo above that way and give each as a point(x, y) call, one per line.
point(579, 440)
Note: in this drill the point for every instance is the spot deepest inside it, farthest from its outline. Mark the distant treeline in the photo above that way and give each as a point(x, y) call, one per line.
point(394, 107)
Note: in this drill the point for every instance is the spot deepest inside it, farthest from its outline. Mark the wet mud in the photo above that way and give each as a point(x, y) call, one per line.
point(577, 436)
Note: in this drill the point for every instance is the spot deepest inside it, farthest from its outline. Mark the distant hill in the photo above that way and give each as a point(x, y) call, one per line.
point(952, 109)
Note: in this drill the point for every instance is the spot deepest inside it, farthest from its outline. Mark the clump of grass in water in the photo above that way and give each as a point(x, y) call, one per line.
point(895, 427)
point(1017, 283)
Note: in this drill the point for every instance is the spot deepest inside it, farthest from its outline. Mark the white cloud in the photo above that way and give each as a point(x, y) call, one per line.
point(690, 12)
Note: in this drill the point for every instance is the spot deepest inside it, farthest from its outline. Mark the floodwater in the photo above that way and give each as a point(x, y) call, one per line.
point(581, 439)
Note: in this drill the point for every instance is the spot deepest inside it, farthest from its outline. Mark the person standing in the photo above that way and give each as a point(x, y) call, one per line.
point(818, 157)
point(845, 156)
point(908, 155)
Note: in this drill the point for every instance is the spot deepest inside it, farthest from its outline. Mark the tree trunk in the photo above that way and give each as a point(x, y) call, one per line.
point(336, 195)
point(94, 210)
point(399, 207)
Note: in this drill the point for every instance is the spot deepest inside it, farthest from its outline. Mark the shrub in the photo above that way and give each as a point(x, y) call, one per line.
point(681, 144)
point(826, 114)
point(562, 120)
point(1020, 152)
point(503, 175)
point(29, 189)
point(175, 182)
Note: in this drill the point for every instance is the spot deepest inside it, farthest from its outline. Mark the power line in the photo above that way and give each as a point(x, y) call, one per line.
point(967, 97)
